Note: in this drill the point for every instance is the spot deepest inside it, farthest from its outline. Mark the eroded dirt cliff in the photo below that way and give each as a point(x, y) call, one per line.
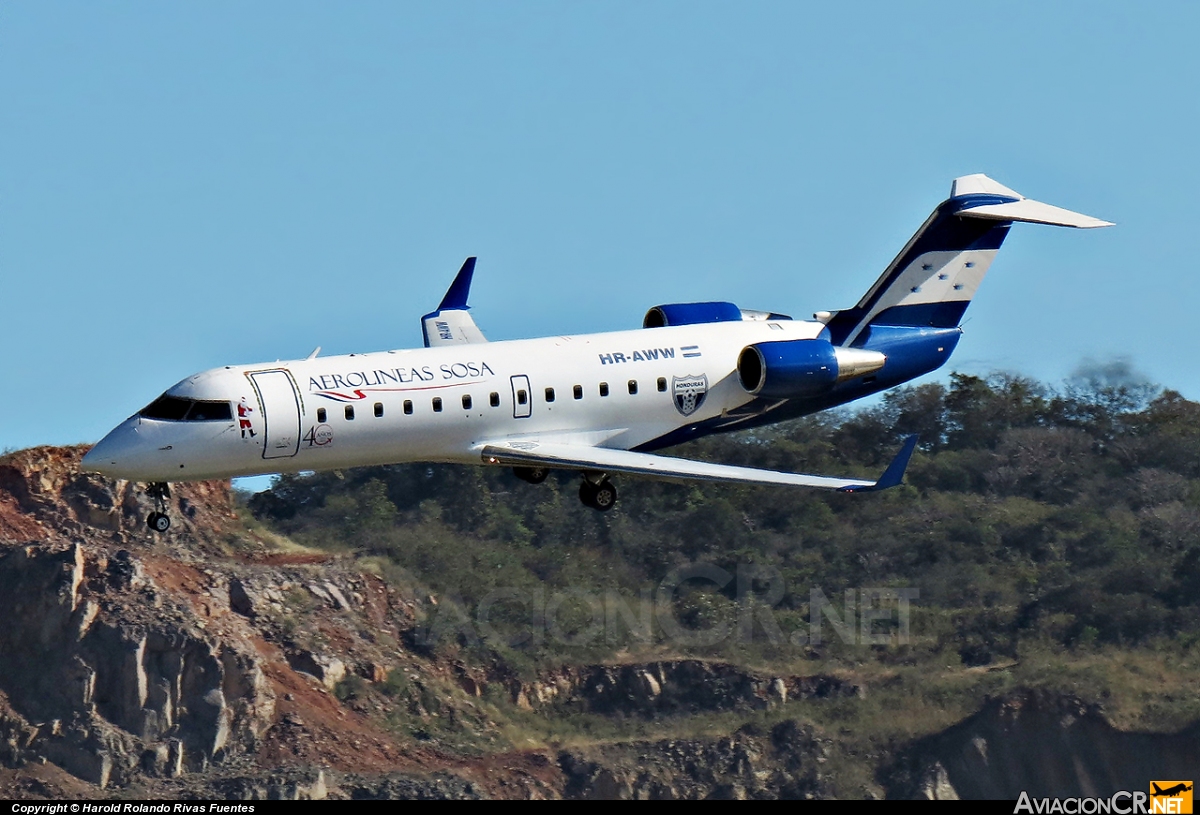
point(218, 660)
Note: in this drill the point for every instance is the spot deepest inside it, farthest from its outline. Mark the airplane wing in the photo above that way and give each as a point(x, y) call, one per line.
point(451, 323)
point(579, 457)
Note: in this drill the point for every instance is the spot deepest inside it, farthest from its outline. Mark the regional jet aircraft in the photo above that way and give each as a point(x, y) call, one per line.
point(598, 404)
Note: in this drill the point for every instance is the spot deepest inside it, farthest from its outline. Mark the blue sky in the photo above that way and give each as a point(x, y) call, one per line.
point(191, 185)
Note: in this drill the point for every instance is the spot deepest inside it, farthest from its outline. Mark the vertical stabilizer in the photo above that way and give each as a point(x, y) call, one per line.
point(935, 276)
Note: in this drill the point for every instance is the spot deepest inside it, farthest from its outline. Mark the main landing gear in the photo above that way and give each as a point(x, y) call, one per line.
point(159, 520)
point(534, 475)
point(596, 491)
point(601, 494)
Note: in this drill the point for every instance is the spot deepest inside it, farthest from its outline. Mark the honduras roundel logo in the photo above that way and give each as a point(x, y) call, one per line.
point(688, 393)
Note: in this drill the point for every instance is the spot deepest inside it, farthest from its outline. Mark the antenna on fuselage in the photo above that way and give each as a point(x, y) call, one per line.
point(314, 353)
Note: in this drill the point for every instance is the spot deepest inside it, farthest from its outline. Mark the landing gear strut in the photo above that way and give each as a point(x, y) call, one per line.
point(601, 495)
point(534, 475)
point(158, 520)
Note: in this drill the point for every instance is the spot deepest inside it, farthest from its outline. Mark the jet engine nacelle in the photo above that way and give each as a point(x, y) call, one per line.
point(698, 313)
point(691, 314)
point(791, 369)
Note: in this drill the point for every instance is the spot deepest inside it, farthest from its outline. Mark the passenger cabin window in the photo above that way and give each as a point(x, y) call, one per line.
point(437, 404)
point(662, 384)
point(522, 397)
point(577, 391)
point(633, 387)
point(321, 415)
point(349, 413)
point(604, 389)
point(466, 401)
point(378, 410)
point(407, 407)
point(494, 399)
point(177, 409)
point(549, 394)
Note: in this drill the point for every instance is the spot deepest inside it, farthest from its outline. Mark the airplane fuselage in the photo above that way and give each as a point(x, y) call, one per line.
point(629, 390)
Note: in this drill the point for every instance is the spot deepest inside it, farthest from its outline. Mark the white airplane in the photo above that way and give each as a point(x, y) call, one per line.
point(596, 403)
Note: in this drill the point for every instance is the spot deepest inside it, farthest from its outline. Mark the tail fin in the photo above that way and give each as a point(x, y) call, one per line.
point(932, 280)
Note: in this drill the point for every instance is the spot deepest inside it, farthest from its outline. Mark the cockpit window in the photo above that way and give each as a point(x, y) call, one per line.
point(209, 412)
point(171, 408)
point(175, 409)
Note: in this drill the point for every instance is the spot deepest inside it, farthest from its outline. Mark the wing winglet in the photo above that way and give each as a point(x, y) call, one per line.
point(451, 324)
point(456, 295)
point(894, 473)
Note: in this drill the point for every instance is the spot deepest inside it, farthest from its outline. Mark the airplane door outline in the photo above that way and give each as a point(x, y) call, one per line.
point(281, 412)
point(522, 407)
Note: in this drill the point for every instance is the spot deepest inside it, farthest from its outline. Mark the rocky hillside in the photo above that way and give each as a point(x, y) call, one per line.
point(1037, 741)
point(221, 660)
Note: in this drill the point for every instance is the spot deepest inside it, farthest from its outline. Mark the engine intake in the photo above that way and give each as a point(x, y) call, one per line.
point(790, 369)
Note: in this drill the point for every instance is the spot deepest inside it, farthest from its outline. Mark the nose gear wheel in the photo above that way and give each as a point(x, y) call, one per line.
point(159, 520)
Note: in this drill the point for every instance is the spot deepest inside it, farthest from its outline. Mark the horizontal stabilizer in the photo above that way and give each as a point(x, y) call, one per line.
point(1033, 212)
point(580, 457)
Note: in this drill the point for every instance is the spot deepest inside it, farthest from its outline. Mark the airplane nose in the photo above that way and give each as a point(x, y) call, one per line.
point(109, 454)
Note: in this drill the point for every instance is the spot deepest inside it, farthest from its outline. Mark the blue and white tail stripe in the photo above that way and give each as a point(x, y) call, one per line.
point(935, 276)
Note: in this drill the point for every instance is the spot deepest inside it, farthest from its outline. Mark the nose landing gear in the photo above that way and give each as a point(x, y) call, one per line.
point(159, 520)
